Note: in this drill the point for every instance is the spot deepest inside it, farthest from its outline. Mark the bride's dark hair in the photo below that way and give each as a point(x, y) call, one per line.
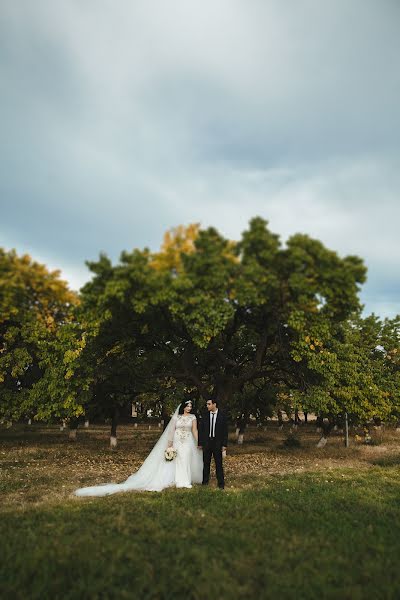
point(183, 404)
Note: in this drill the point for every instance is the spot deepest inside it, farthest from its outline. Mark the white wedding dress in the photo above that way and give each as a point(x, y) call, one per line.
point(188, 462)
point(156, 473)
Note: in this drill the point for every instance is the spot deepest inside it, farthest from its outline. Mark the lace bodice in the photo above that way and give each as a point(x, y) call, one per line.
point(183, 427)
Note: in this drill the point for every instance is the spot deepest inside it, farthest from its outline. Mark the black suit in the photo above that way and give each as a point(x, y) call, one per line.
point(212, 445)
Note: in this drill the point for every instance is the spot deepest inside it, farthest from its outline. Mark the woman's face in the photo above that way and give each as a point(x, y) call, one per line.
point(188, 408)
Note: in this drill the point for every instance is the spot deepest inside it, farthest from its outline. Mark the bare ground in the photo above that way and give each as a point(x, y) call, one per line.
point(39, 464)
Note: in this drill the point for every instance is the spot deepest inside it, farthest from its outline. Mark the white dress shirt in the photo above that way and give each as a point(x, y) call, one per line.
point(213, 418)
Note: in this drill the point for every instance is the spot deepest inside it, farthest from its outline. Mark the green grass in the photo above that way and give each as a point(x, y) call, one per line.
point(329, 532)
point(296, 537)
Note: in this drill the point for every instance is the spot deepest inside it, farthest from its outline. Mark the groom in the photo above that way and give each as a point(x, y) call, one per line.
point(213, 440)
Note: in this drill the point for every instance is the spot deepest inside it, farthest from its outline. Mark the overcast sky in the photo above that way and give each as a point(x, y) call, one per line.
point(120, 119)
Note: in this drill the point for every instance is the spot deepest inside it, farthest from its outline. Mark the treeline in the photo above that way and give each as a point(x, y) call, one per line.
point(261, 326)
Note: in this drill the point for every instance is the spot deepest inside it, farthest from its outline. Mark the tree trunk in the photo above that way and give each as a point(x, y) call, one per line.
point(114, 425)
point(223, 392)
point(73, 428)
point(305, 417)
point(327, 426)
point(280, 419)
point(319, 423)
point(241, 427)
point(346, 425)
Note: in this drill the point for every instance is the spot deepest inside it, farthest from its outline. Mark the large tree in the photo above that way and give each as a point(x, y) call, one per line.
point(224, 314)
point(34, 303)
point(253, 323)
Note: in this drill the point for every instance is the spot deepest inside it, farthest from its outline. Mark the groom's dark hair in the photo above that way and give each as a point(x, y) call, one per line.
point(213, 400)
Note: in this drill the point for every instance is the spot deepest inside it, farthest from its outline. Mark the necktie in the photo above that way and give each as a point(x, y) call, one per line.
point(212, 434)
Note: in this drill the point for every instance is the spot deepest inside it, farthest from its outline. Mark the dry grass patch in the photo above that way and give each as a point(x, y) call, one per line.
point(40, 464)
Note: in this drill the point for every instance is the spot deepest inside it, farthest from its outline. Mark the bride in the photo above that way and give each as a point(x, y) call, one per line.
point(156, 473)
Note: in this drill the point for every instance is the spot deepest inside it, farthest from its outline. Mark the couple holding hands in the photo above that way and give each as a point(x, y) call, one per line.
point(191, 444)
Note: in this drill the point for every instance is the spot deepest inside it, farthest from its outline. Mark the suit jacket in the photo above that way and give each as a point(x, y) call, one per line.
point(221, 430)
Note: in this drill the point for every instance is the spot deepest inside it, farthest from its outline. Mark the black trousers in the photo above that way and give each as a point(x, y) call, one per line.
point(209, 451)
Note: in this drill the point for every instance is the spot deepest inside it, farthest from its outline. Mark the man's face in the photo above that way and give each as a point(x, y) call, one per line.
point(211, 405)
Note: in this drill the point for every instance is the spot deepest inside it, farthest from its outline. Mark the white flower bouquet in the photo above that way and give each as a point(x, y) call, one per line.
point(170, 454)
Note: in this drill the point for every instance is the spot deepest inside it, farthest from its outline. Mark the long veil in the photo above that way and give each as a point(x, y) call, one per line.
point(155, 474)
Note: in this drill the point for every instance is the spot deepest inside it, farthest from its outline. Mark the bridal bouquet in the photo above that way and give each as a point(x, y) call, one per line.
point(170, 454)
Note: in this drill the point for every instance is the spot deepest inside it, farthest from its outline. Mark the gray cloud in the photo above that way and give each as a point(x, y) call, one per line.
point(120, 121)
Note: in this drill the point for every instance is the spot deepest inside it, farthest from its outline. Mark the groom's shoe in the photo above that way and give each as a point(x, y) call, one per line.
point(204, 483)
point(221, 487)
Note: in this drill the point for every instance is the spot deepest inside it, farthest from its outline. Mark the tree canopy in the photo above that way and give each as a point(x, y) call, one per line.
point(249, 322)
point(34, 304)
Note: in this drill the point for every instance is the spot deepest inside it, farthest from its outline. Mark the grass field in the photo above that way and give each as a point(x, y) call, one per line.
point(301, 523)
